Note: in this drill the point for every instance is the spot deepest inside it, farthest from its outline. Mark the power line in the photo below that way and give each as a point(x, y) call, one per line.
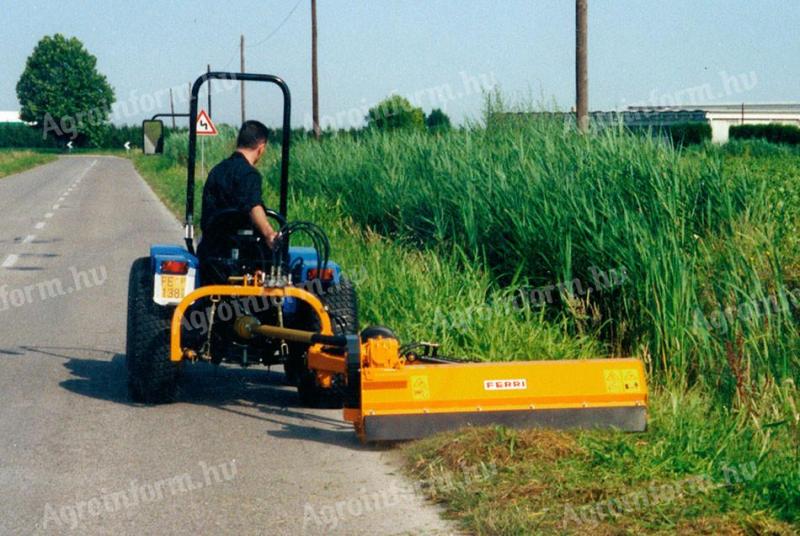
point(269, 35)
point(273, 32)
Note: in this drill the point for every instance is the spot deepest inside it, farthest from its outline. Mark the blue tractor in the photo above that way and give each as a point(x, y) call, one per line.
point(183, 307)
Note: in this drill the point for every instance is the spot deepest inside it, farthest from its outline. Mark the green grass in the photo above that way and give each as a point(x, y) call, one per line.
point(695, 471)
point(391, 278)
point(17, 160)
point(438, 231)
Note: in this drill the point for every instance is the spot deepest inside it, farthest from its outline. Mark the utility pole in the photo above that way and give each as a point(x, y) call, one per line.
point(314, 79)
point(172, 108)
point(208, 70)
point(581, 68)
point(241, 69)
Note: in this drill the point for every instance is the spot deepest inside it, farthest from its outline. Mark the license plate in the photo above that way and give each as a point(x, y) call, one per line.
point(173, 287)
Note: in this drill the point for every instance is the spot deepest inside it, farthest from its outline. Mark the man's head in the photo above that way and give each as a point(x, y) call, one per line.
point(252, 140)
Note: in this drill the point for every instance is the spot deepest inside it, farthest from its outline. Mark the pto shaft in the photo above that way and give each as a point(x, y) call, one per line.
point(247, 327)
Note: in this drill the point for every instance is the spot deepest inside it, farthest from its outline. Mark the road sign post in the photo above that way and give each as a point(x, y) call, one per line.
point(205, 127)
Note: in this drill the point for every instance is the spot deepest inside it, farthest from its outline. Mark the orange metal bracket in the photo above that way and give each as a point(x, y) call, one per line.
point(176, 352)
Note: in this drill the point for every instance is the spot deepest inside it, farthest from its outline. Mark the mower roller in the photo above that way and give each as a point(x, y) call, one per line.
point(389, 391)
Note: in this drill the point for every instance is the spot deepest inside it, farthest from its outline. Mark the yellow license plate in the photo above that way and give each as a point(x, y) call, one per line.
point(173, 287)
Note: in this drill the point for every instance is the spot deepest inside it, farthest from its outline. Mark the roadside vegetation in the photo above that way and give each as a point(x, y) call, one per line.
point(15, 161)
point(501, 243)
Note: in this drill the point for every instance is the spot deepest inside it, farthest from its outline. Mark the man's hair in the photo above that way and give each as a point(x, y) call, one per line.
point(251, 134)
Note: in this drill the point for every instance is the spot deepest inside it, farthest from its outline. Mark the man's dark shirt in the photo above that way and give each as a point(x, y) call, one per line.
point(232, 184)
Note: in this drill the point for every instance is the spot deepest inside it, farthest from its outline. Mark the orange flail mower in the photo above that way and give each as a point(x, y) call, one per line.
point(396, 393)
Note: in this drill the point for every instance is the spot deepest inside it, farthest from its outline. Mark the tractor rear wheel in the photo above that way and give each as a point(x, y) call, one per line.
point(152, 377)
point(342, 304)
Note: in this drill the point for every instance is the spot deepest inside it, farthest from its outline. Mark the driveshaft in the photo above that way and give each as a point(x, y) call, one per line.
point(247, 327)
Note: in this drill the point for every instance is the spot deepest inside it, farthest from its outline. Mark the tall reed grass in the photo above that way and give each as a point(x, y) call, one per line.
point(703, 243)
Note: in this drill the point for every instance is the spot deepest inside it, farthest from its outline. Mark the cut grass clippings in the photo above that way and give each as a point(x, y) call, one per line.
point(672, 479)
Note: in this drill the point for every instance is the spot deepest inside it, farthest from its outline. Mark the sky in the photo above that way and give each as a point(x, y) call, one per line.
point(438, 53)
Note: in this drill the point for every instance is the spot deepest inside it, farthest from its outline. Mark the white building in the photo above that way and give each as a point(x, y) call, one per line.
point(720, 116)
point(9, 117)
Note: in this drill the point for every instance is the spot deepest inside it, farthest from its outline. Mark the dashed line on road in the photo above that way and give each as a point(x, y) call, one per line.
point(85, 171)
point(39, 225)
point(56, 206)
point(28, 239)
point(48, 215)
point(10, 261)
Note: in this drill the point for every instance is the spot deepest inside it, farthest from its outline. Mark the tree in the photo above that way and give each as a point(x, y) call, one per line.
point(62, 91)
point(437, 121)
point(395, 112)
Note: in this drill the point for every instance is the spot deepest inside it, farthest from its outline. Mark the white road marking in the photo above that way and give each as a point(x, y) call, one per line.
point(10, 261)
point(61, 199)
point(28, 239)
point(56, 206)
point(39, 225)
point(85, 171)
point(48, 215)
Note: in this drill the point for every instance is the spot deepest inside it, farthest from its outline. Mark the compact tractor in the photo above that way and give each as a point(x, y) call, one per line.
point(293, 306)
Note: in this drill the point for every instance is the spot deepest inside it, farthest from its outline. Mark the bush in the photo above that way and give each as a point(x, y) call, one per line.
point(396, 112)
point(688, 133)
point(437, 121)
point(114, 137)
point(20, 135)
point(681, 134)
point(772, 132)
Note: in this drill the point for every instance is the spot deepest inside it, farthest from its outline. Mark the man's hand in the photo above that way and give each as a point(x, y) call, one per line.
point(260, 221)
point(271, 240)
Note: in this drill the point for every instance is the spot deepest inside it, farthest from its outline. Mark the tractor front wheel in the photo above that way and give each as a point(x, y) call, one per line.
point(152, 377)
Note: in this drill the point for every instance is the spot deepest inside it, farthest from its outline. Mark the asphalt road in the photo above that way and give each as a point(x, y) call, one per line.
point(237, 454)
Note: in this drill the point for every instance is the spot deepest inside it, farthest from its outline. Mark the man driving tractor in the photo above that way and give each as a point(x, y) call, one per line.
point(233, 189)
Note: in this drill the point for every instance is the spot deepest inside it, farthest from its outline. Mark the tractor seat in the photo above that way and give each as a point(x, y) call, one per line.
point(231, 246)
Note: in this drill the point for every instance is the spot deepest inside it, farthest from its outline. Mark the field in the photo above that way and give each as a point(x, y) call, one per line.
point(529, 241)
point(14, 161)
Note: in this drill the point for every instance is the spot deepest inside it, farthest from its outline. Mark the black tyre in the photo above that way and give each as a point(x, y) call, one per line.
point(152, 377)
point(342, 305)
point(341, 302)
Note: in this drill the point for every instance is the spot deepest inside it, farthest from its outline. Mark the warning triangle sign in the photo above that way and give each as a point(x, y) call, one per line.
point(204, 125)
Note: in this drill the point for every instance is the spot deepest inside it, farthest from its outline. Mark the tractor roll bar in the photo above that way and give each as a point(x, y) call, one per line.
point(287, 111)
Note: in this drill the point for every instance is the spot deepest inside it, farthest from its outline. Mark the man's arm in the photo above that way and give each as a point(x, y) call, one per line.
point(259, 218)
